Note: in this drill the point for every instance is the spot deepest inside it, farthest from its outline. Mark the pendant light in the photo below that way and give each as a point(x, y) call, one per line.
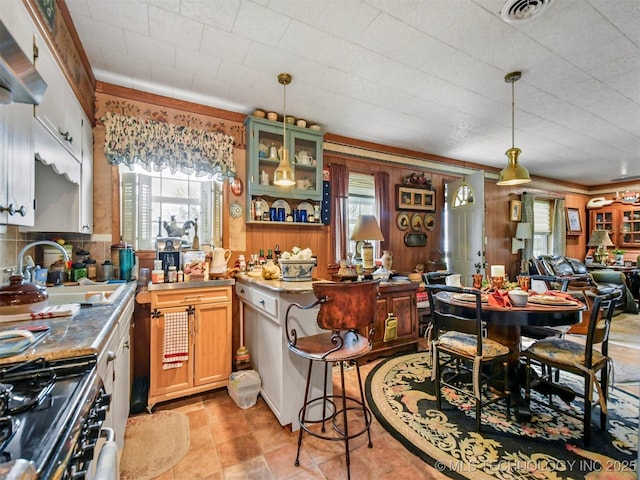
point(513, 173)
point(284, 176)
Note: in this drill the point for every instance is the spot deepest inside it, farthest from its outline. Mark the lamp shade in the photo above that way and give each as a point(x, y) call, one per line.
point(513, 173)
point(600, 238)
point(366, 229)
point(523, 231)
point(284, 175)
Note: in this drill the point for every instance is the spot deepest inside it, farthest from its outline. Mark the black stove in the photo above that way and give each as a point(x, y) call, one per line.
point(51, 414)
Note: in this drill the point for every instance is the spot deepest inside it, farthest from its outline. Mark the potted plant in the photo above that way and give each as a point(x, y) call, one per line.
point(618, 254)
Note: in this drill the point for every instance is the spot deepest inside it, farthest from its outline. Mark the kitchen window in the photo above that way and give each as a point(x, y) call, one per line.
point(362, 200)
point(153, 202)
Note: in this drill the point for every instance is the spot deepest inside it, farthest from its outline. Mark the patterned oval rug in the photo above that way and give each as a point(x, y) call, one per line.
point(153, 444)
point(400, 393)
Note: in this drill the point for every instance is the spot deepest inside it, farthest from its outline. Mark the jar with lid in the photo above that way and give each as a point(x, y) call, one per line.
point(173, 274)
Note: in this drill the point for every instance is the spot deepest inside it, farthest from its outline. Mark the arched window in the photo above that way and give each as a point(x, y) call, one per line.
point(463, 196)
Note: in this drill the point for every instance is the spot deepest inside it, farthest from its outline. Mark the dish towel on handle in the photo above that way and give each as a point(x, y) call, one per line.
point(175, 345)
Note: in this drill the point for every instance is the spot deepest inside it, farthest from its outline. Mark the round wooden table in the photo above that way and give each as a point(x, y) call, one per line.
point(503, 325)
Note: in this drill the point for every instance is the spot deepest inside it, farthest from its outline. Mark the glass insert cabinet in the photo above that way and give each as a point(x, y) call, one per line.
point(622, 221)
point(264, 149)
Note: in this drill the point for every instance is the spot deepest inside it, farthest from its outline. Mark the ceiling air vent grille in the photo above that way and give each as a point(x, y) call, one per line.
point(519, 11)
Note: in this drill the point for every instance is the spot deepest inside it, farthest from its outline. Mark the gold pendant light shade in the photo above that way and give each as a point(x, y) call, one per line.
point(513, 173)
point(284, 175)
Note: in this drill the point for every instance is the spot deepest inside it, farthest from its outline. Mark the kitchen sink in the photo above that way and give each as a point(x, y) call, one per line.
point(84, 294)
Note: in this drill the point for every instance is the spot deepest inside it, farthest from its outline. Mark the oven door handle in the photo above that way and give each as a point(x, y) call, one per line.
point(107, 467)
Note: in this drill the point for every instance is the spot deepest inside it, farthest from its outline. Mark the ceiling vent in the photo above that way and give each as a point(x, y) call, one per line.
point(520, 11)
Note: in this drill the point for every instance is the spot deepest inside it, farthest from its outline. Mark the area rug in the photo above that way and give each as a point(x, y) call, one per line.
point(153, 444)
point(400, 393)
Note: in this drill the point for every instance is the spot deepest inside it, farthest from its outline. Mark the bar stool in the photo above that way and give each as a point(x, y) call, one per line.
point(347, 311)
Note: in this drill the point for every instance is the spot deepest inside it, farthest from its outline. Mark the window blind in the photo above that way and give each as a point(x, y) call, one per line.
point(542, 216)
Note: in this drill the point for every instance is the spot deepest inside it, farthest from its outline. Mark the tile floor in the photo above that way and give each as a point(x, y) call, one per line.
point(230, 443)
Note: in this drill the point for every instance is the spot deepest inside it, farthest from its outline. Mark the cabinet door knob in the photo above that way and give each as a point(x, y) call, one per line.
point(261, 301)
point(67, 136)
point(12, 210)
point(111, 356)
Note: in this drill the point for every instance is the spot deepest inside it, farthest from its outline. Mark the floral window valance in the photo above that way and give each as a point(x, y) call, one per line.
point(157, 145)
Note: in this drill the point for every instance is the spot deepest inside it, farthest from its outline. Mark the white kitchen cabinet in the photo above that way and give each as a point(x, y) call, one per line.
point(115, 370)
point(59, 111)
point(16, 165)
point(283, 374)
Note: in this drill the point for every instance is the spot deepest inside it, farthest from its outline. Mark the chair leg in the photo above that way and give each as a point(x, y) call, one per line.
point(324, 398)
point(586, 424)
point(507, 388)
point(303, 411)
point(436, 365)
point(346, 424)
point(364, 407)
point(604, 384)
point(477, 381)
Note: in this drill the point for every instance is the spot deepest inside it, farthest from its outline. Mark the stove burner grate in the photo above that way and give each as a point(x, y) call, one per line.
point(24, 386)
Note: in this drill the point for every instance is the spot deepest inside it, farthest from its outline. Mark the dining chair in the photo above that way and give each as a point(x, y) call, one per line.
point(347, 312)
point(555, 354)
point(462, 358)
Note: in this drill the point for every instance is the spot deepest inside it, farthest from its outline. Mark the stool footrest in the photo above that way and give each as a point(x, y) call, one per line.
point(334, 416)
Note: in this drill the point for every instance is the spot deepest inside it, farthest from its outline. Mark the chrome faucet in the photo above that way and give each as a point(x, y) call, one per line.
point(33, 244)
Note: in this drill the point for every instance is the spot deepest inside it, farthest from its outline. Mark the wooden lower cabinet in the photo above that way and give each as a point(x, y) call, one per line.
point(209, 362)
point(399, 299)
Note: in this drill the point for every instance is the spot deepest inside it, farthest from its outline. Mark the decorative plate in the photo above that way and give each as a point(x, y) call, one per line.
point(550, 300)
point(306, 206)
point(416, 222)
point(429, 221)
point(469, 297)
point(402, 221)
point(236, 187)
point(235, 210)
point(281, 204)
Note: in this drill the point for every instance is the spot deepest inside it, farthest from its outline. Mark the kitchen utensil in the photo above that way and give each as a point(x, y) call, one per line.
point(219, 260)
point(20, 296)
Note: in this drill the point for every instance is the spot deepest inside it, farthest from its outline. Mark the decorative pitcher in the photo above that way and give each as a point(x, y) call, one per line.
point(219, 260)
point(387, 259)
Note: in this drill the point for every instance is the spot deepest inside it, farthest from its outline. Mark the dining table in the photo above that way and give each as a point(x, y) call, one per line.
point(503, 323)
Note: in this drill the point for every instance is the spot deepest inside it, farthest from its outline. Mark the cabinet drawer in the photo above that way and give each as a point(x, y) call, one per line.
point(190, 296)
point(264, 303)
point(243, 292)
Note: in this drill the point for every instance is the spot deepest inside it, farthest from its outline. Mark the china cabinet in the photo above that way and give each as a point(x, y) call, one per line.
point(263, 149)
point(621, 220)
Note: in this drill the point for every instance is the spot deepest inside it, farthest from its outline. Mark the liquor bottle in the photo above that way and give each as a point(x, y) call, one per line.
point(261, 258)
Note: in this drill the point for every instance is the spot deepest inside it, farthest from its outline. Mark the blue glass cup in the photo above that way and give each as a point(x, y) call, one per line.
point(302, 215)
point(281, 215)
point(296, 215)
point(273, 214)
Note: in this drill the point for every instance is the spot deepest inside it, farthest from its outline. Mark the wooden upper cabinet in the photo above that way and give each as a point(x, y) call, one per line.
point(621, 220)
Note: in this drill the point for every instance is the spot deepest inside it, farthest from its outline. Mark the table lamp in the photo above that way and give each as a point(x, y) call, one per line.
point(523, 232)
point(601, 240)
point(366, 230)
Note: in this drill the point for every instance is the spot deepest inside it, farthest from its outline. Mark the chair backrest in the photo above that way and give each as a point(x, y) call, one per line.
point(551, 282)
point(345, 305)
point(598, 332)
point(446, 318)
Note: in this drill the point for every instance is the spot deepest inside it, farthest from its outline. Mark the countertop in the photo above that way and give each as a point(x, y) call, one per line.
point(84, 333)
point(279, 286)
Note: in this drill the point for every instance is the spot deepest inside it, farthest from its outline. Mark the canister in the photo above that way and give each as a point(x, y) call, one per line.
point(105, 272)
point(115, 258)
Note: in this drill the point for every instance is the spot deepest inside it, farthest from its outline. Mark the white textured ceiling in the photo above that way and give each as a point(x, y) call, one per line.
point(426, 75)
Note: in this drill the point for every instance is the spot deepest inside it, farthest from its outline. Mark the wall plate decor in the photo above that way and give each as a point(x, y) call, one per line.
point(429, 221)
point(402, 221)
point(235, 210)
point(415, 239)
point(409, 198)
point(416, 222)
point(237, 187)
